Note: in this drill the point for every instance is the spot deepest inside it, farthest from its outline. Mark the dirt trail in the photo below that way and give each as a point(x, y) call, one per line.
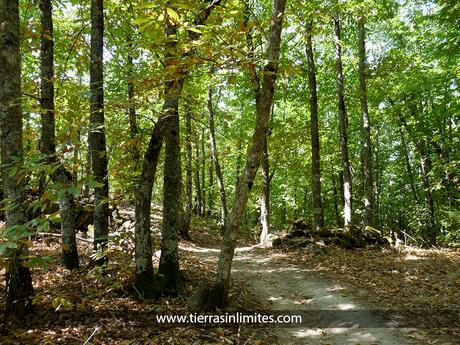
point(291, 288)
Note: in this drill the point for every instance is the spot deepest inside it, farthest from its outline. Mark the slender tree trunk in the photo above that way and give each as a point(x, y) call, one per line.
point(343, 124)
point(265, 197)
point(203, 174)
point(48, 138)
point(318, 217)
point(19, 289)
point(169, 260)
point(218, 296)
point(174, 81)
point(379, 167)
point(408, 166)
point(87, 170)
point(215, 159)
point(366, 129)
point(188, 167)
point(133, 130)
point(97, 134)
point(132, 116)
point(255, 80)
point(338, 219)
point(239, 158)
point(211, 188)
point(198, 193)
point(425, 168)
point(76, 157)
point(145, 280)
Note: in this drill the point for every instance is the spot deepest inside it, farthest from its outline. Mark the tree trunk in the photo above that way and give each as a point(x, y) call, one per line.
point(169, 260)
point(211, 189)
point(97, 133)
point(265, 197)
point(408, 166)
point(215, 159)
point(145, 279)
point(203, 174)
point(19, 289)
point(198, 193)
point(366, 130)
point(238, 164)
point(48, 138)
point(132, 116)
point(188, 167)
point(318, 217)
point(218, 296)
point(425, 168)
point(338, 219)
point(343, 124)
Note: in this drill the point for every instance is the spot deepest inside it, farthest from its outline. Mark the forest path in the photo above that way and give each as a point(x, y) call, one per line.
point(290, 288)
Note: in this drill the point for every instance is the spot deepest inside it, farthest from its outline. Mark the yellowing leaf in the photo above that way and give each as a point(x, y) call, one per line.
point(172, 14)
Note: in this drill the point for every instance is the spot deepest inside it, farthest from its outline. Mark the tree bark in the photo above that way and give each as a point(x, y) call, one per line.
point(218, 295)
point(318, 217)
point(48, 138)
point(197, 175)
point(215, 159)
point(203, 174)
point(133, 130)
point(166, 127)
point(132, 116)
point(188, 167)
point(265, 197)
point(425, 168)
point(169, 260)
point(408, 166)
point(211, 188)
point(145, 280)
point(343, 124)
point(97, 133)
point(338, 219)
point(366, 130)
point(255, 81)
point(19, 289)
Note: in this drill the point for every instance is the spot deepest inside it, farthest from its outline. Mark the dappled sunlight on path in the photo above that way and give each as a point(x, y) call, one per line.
point(332, 316)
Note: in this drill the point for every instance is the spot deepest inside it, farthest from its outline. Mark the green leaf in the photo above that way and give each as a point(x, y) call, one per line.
point(195, 30)
point(172, 14)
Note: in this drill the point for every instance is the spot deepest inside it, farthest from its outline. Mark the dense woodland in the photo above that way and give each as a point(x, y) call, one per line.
point(335, 116)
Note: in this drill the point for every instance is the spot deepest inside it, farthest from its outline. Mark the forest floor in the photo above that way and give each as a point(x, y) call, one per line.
point(87, 307)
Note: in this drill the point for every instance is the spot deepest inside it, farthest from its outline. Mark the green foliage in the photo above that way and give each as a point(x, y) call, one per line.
point(413, 69)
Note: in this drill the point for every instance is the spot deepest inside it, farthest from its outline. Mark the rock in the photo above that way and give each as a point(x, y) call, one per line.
point(301, 224)
point(296, 233)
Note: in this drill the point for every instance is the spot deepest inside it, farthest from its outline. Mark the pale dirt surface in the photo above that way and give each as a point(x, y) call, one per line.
point(288, 287)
